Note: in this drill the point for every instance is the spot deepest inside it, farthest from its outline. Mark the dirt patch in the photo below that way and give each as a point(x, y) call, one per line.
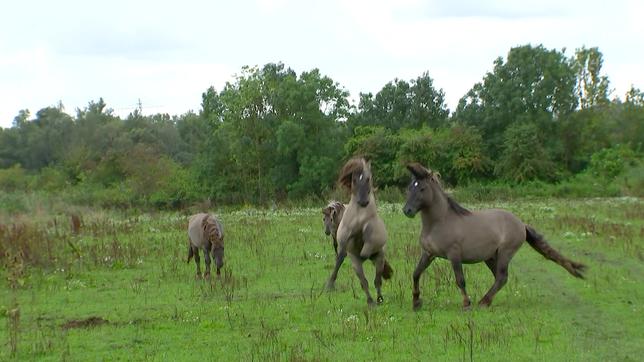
point(85, 323)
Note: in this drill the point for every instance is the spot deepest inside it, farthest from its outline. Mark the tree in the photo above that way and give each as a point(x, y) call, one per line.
point(457, 152)
point(524, 158)
point(400, 104)
point(592, 87)
point(534, 85)
point(380, 145)
point(279, 134)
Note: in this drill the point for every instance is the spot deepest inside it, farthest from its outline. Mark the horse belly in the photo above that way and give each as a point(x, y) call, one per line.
point(480, 252)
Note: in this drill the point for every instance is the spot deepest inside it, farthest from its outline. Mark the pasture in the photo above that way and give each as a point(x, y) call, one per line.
point(120, 289)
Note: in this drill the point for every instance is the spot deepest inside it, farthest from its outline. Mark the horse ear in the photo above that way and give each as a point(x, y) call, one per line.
point(418, 170)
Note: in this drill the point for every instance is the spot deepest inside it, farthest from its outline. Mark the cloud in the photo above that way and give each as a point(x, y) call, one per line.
point(167, 54)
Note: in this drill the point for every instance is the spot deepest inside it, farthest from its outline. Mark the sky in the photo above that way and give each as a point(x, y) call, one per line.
point(167, 53)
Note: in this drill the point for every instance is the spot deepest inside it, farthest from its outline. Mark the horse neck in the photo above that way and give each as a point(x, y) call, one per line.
point(371, 208)
point(436, 211)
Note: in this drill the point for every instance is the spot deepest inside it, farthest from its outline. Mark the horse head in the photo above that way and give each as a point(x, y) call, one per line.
point(420, 194)
point(356, 176)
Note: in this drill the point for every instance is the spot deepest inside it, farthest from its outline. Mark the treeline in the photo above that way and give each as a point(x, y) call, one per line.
point(274, 135)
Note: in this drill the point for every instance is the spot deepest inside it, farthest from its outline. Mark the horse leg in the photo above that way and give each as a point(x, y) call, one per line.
point(379, 263)
point(491, 264)
point(195, 251)
point(206, 254)
point(423, 263)
point(339, 259)
point(500, 278)
point(335, 245)
point(460, 281)
point(357, 267)
point(190, 255)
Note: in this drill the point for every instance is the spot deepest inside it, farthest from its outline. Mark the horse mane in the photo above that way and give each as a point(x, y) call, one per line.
point(455, 206)
point(213, 230)
point(333, 205)
point(356, 164)
point(420, 172)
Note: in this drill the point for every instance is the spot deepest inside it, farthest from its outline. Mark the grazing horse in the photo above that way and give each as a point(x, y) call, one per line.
point(450, 231)
point(332, 216)
point(361, 232)
point(205, 232)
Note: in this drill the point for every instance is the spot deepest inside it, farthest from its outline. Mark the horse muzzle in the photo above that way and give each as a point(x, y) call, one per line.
point(409, 212)
point(363, 203)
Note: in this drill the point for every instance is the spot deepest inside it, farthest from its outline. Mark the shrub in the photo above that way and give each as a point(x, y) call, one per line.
point(610, 162)
point(14, 178)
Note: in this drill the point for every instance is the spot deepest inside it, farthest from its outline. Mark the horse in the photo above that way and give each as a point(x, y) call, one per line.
point(206, 232)
point(361, 233)
point(332, 216)
point(452, 232)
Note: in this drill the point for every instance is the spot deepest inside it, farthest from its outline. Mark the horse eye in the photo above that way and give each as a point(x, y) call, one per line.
point(416, 184)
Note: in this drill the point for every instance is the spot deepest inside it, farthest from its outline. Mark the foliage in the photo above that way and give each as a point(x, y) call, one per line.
point(534, 85)
point(14, 178)
point(610, 162)
point(524, 157)
point(402, 104)
point(273, 135)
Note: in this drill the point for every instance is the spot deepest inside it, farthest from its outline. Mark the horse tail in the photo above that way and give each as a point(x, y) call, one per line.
point(538, 243)
point(387, 271)
point(190, 252)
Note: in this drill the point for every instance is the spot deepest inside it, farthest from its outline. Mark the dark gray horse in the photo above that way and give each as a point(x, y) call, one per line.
point(205, 232)
point(361, 233)
point(450, 231)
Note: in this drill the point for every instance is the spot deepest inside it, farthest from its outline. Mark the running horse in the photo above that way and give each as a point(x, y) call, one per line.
point(452, 232)
point(361, 233)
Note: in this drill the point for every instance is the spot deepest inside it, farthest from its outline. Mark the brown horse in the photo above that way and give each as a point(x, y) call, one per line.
point(450, 231)
point(205, 232)
point(361, 232)
point(333, 213)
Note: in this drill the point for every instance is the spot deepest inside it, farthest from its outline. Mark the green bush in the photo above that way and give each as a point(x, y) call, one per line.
point(51, 179)
point(12, 203)
point(610, 162)
point(14, 178)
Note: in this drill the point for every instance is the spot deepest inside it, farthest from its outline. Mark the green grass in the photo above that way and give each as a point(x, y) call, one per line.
point(270, 304)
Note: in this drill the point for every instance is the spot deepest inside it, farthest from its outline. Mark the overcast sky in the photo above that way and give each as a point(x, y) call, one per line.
point(168, 54)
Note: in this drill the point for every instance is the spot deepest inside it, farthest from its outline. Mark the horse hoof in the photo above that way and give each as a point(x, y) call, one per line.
point(417, 304)
point(380, 299)
point(371, 304)
point(467, 307)
point(330, 287)
point(206, 275)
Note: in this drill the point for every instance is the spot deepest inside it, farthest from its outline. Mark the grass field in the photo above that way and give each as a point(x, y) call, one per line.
point(120, 289)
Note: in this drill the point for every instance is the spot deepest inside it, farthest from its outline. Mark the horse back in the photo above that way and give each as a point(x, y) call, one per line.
point(195, 231)
point(498, 226)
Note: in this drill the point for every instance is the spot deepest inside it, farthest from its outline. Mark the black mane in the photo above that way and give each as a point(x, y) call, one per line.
point(456, 207)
